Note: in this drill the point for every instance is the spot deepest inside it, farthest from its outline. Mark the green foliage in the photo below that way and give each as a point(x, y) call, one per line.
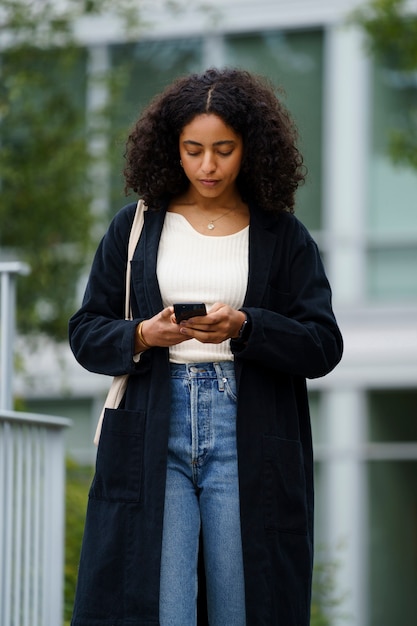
point(78, 482)
point(326, 600)
point(391, 37)
point(44, 160)
point(404, 145)
point(391, 32)
point(48, 23)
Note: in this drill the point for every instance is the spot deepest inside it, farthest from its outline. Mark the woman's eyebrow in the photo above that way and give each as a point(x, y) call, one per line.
point(216, 143)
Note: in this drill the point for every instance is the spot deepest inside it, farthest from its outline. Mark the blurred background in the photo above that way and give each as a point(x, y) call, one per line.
point(73, 78)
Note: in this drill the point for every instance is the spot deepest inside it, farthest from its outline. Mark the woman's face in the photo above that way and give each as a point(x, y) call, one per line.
point(211, 155)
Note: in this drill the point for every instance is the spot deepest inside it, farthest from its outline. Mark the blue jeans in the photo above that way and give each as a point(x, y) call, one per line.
point(202, 493)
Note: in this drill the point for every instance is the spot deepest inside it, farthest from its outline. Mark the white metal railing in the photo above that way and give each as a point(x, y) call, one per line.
point(9, 271)
point(32, 487)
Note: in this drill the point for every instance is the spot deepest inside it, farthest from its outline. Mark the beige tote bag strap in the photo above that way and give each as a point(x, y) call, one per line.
point(119, 383)
point(135, 232)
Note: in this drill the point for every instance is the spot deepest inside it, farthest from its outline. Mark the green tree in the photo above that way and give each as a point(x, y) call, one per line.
point(46, 217)
point(44, 201)
point(391, 36)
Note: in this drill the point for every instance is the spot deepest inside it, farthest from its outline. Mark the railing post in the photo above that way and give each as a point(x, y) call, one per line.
point(8, 272)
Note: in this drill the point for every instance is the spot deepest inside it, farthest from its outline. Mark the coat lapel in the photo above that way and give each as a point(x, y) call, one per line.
point(261, 249)
point(153, 227)
point(144, 263)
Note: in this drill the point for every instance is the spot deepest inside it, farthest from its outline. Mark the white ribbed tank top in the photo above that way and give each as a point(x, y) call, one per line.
point(193, 267)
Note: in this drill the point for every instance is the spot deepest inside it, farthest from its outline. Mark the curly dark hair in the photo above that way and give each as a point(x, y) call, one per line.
point(272, 166)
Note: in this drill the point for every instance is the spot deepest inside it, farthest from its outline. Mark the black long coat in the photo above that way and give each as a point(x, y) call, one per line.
point(294, 336)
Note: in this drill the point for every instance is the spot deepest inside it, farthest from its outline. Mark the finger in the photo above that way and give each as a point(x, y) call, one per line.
point(167, 312)
point(216, 307)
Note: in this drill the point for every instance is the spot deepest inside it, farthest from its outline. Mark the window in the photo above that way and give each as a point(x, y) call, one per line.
point(392, 545)
point(393, 416)
point(392, 508)
point(392, 218)
point(292, 60)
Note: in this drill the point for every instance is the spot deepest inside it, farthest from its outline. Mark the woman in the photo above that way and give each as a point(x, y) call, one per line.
point(207, 464)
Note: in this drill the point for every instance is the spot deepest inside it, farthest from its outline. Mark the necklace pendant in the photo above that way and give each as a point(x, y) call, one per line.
point(210, 225)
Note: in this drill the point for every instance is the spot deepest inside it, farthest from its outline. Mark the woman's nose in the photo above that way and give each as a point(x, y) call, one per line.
point(208, 165)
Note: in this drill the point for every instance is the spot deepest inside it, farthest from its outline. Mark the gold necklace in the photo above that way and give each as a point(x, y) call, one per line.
point(210, 225)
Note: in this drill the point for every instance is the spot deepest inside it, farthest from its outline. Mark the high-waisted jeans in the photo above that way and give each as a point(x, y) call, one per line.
point(202, 494)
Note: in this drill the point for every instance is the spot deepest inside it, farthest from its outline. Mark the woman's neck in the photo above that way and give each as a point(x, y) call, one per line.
point(215, 216)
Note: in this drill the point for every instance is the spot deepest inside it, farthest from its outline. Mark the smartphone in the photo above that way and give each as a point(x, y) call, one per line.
point(185, 310)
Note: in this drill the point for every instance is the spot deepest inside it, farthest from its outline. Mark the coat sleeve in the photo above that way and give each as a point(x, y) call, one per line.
point(100, 338)
point(295, 330)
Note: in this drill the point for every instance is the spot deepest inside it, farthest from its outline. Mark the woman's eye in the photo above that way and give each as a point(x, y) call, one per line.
point(221, 154)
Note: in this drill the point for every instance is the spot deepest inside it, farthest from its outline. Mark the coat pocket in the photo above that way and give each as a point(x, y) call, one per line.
point(285, 502)
point(119, 463)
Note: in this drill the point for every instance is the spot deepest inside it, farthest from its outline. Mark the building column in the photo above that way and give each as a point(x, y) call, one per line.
point(345, 500)
point(98, 67)
point(345, 158)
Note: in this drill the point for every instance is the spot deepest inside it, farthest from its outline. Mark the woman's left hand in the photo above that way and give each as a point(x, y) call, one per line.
point(221, 322)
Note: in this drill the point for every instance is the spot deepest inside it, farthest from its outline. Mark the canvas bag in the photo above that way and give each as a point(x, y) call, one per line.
point(119, 383)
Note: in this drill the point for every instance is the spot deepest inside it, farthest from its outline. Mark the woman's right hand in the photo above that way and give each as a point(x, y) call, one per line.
point(161, 330)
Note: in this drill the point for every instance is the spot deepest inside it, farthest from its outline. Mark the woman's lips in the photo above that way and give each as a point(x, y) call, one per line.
point(208, 182)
